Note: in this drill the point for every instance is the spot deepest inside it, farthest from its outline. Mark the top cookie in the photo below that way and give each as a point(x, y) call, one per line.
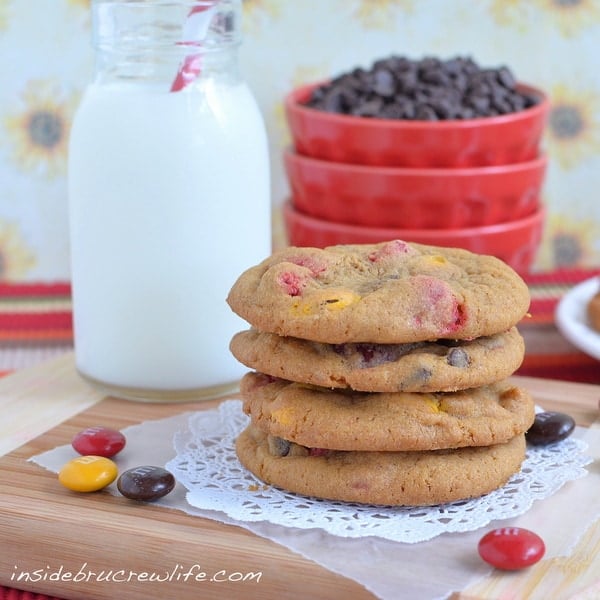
point(393, 292)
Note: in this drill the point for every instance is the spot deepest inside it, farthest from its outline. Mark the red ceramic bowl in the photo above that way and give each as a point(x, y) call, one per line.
point(455, 143)
point(414, 198)
point(515, 242)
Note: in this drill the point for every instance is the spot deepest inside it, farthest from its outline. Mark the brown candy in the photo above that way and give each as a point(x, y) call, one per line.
point(146, 483)
point(550, 427)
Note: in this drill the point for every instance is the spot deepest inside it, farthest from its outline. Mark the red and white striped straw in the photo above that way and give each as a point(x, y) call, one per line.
point(194, 28)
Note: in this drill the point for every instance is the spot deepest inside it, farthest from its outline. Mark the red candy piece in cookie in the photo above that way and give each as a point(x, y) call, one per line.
point(292, 283)
point(318, 451)
point(393, 248)
point(460, 316)
point(262, 379)
point(314, 266)
point(442, 305)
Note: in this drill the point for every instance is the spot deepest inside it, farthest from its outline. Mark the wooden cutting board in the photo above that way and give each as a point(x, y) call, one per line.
point(42, 523)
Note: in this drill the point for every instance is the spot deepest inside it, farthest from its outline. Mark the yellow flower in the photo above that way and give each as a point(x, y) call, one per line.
point(39, 132)
point(568, 16)
point(256, 10)
point(573, 131)
point(3, 14)
point(15, 257)
point(81, 3)
point(571, 16)
point(378, 14)
point(568, 242)
point(270, 6)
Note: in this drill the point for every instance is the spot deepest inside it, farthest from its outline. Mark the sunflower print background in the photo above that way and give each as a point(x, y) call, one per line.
point(46, 61)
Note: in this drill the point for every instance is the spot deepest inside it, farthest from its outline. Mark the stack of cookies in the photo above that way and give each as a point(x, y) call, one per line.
point(380, 372)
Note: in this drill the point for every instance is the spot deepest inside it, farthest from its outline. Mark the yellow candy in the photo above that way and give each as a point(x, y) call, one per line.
point(433, 403)
point(331, 300)
point(88, 473)
point(283, 416)
point(433, 260)
point(341, 300)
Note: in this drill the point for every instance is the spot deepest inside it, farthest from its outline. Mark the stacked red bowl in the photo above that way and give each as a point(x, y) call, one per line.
point(473, 183)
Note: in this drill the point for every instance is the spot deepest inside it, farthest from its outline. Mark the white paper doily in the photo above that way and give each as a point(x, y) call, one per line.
point(207, 465)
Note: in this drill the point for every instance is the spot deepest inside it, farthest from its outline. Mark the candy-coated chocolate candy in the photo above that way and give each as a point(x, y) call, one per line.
point(550, 427)
point(145, 483)
point(88, 473)
point(511, 548)
point(99, 441)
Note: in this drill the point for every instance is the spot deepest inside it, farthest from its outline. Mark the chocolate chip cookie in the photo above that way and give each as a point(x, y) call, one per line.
point(593, 311)
point(441, 366)
point(363, 421)
point(388, 293)
point(387, 478)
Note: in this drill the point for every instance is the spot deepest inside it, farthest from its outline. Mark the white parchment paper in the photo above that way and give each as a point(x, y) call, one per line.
point(429, 570)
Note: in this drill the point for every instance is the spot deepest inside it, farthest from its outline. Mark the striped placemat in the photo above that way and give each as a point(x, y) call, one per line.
point(36, 325)
point(548, 353)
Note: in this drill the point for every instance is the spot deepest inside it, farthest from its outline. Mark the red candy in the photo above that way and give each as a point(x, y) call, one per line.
point(393, 248)
point(511, 548)
point(292, 283)
point(308, 262)
point(318, 451)
point(99, 441)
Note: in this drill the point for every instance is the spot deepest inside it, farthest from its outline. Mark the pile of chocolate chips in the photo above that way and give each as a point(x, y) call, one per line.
point(429, 89)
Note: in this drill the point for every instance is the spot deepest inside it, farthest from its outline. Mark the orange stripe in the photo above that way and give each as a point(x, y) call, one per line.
point(33, 335)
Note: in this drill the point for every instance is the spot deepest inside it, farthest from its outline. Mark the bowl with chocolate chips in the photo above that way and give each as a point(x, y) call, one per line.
point(428, 112)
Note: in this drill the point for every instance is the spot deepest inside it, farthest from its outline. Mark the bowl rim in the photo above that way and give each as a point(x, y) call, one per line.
point(504, 227)
point(538, 163)
point(293, 103)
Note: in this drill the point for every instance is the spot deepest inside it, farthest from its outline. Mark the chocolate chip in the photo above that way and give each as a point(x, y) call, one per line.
point(457, 357)
point(444, 108)
point(333, 101)
point(384, 83)
point(435, 76)
point(465, 113)
point(426, 113)
point(480, 104)
point(369, 108)
point(505, 78)
point(392, 111)
point(422, 375)
point(278, 446)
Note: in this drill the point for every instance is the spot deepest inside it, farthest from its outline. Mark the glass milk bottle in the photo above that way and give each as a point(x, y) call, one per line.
point(169, 199)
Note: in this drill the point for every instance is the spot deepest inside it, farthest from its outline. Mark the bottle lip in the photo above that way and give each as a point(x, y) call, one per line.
point(180, 25)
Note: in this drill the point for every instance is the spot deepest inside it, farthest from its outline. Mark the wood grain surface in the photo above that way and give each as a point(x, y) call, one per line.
point(41, 523)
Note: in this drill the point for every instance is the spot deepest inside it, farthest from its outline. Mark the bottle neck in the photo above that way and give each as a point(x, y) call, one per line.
point(150, 41)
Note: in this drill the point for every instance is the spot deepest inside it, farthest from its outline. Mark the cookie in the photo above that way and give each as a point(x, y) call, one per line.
point(593, 311)
point(388, 293)
point(346, 420)
point(386, 478)
point(441, 366)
